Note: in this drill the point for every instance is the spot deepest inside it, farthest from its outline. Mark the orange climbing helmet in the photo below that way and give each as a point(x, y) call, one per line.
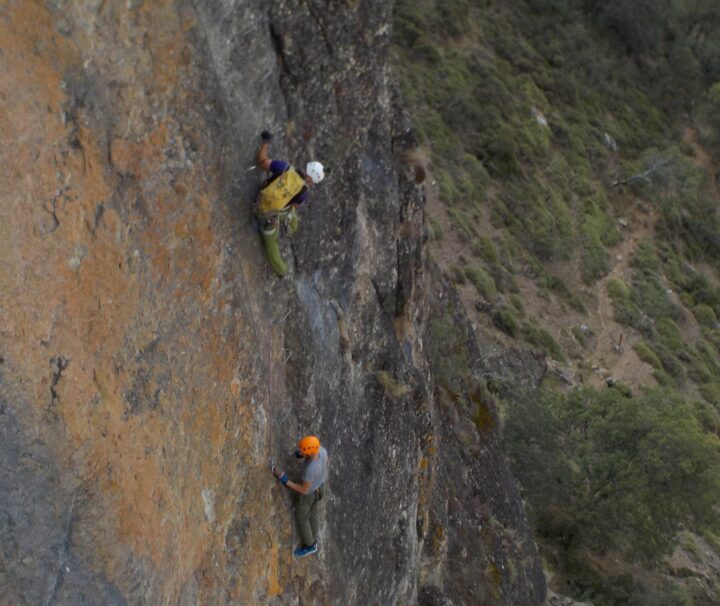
point(309, 446)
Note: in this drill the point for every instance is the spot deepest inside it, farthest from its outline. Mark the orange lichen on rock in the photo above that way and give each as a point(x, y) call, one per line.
point(84, 305)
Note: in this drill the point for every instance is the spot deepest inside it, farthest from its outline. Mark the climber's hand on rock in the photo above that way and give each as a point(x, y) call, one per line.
point(266, 136)
point(281, 476)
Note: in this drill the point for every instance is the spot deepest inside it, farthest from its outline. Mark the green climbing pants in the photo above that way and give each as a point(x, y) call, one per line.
point(271, 238)
point(270, 230)
point(308, 512)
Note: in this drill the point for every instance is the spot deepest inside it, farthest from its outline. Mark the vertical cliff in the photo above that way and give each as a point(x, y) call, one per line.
point(150, 362)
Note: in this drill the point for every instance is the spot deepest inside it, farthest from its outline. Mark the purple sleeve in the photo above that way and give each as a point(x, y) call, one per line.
point(300, 198)
point(278, 166)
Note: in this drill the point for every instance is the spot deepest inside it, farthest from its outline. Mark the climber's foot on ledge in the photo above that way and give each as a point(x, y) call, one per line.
point(301, 552)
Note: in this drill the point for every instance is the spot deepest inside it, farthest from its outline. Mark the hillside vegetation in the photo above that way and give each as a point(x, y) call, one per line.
point(573, 200)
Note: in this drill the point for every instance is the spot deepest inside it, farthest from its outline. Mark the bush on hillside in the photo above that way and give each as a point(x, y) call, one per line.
point(506, 321)
point(603, 456)
point(711, 393)
point(647, 355)
point(436, 230)
point(668, 334)
point(536, 335)
point(708, 417)
point(517, 304)
point(457, 274)
point(482, 282)
point(625, 310)
point(705, 315)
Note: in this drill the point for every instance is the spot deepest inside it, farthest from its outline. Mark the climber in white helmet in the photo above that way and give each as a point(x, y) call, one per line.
point(282, 192)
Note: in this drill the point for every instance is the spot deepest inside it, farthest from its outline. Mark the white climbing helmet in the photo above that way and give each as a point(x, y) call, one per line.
point(315, 171)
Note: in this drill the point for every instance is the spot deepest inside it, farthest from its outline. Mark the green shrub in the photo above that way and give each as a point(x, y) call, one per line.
point(713, 539)
point(625, 311)
point(482, 282)
point(623, 388)
point(595, 262)
point(663, 378)
point(637, 306)
point(700, 290)
point(504, 280)
point(486, 250)
point(669, 335)
point(708, 355)
point(645, 259)
point(698, 371)
point(546, 223)
point(618, 290)
point(436, 230)
point(517, 304)
point(711, 393)
point(650, 295)
point(705, 315)
point(506, 321)
point(708, 417)
point(457, 274)
point(464, 226)
point(539, 336)
point(670, 363)
point(647, 355)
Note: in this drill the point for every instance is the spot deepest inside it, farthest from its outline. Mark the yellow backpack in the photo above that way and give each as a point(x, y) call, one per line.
point(277, 193)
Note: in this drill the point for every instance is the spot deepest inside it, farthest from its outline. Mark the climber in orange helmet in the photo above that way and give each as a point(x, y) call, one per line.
point(309, 492)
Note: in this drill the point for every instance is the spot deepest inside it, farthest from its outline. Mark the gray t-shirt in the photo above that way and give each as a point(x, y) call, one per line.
point(316, 471)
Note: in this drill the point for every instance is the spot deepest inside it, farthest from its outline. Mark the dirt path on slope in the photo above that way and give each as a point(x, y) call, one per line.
point(612, 354)
point(621, 362)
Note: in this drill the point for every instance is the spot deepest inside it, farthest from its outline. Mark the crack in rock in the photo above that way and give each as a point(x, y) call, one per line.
point(59, 364)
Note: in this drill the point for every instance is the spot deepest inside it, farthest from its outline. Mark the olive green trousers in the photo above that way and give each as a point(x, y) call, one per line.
point(270, 230)
point(308, 515)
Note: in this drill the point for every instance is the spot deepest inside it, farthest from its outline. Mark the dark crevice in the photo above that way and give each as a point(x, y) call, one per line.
point(286, 74)
point(60, 364)
point(400, 299)
point(294, 254)
point(61, 193)
point(380, 298)
point(279, 46)
point(70, 117)
point(99, 212)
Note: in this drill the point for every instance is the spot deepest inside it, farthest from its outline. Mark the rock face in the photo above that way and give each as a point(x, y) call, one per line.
point(151, 364)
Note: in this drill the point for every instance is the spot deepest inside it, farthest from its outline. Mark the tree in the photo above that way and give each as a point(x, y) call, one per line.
point(617, 473)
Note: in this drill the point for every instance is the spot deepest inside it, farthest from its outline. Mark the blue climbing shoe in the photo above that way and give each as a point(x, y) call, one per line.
point(301, 552)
